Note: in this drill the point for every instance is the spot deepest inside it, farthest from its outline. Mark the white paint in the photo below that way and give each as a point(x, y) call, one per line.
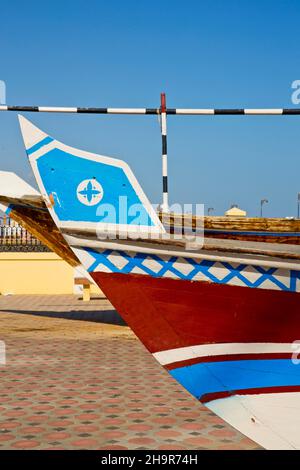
point(4, 207)
point(163, 123)
point(52, 109)
point(126, 110)
point(32, 134)
point(12, 186)
point(42, 150)
point(154, 265)
point(219, 271)
point(164, 165)
point(151, 264)
point(108, 231)
point(83, 187)
point(252, 274)
point(271, 419)
point(165, 205)
point(162, 250)
point(264, 111)
point(205, 350)
point(194, 111)
point(117, 260)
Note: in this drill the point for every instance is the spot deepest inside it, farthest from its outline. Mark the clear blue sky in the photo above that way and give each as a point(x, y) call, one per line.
point(202, 53)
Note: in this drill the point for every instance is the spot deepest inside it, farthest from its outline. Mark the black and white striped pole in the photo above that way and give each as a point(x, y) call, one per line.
point(164, 153)
point(157, 111)
point(163, 111)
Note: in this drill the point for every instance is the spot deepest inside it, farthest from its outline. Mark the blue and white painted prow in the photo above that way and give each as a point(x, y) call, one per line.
point(85, 190)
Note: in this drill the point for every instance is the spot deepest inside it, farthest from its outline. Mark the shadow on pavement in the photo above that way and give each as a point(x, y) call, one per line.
point(110, 317)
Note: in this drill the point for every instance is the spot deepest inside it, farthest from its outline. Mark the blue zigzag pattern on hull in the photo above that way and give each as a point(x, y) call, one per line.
point(167, 267)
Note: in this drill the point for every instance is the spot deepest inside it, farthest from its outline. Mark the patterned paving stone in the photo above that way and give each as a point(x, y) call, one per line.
point(76, 377)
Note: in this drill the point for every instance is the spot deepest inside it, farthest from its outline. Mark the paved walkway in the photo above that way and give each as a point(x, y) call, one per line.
point(77, 378)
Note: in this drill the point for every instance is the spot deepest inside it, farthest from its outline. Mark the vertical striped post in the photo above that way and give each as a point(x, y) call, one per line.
point(163, 114)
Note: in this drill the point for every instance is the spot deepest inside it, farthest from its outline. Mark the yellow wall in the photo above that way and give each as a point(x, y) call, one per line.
point(35, 273)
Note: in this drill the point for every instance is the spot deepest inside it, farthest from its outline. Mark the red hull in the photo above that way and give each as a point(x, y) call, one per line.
point(166, 313)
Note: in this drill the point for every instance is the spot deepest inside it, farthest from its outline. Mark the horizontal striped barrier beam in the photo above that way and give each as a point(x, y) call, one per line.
point(174, 111)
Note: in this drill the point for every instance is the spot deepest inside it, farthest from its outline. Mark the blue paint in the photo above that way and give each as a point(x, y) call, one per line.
point(89, 192)
point(39, 145)
point(9, 209)
point(212, 377)
point(62, 172)
point(167, 266)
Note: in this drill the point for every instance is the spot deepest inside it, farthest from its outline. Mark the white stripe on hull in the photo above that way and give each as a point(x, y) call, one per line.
point(204, 350)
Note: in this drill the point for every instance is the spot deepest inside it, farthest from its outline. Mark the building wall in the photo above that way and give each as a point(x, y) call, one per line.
point(36, 273)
